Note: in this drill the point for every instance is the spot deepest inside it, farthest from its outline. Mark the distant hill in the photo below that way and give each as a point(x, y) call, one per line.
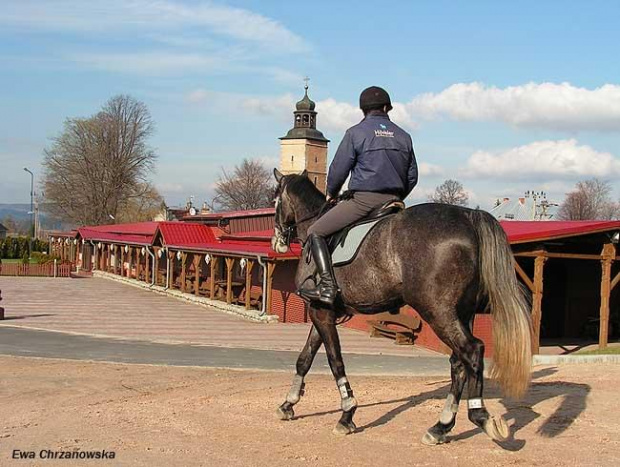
point(19, 213)
point(16, 211)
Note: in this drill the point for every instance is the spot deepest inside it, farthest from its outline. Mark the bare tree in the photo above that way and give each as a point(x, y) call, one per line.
point(99, 165)
point(250, 186)
point(143, 205)
point(450, 192)
point(590, 200)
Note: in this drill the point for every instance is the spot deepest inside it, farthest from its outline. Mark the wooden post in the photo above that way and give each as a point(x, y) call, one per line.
point(172, 256)
point(156, 265)
point(608, 255)
point(539, 264)
point(183, 272)
point(147, 268)
point(138, 262)
point(229, 265)
point(129, 261)
point(248, 283)
point(270, 269)
point(197, 259)
point(213, 264)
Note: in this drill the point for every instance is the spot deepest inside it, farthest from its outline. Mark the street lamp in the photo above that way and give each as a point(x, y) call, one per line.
point(31, 208)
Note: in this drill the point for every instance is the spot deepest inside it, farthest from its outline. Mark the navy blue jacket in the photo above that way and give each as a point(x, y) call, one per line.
point(379, 155)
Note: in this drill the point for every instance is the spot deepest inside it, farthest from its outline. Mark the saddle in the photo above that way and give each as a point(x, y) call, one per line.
point(345, 244)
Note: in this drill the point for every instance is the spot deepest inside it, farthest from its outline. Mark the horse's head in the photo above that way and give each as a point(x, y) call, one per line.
point(284, 225)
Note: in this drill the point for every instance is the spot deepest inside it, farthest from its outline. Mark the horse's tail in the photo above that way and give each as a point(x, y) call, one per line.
point(512, 330)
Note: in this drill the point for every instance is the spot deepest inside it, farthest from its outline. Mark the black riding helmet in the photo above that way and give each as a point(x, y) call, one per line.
point(374, 97)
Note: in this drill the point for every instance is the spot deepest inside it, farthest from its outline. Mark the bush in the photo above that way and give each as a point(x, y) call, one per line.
point(44, 258)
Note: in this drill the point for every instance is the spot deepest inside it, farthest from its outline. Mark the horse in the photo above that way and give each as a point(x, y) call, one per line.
point(444, 261)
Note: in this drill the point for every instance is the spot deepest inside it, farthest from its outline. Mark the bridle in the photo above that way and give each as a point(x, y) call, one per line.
point(289, 232)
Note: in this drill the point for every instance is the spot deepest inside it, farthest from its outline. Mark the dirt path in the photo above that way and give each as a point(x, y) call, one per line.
point(157, 415)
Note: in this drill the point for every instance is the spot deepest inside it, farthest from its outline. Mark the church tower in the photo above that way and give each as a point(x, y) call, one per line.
point(304, 147)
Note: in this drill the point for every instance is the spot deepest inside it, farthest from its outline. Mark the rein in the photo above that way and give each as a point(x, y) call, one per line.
point(289, 232)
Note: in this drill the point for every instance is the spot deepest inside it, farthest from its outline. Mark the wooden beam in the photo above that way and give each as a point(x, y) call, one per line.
point(156, 265)
point(197, 259)
point(534, 254)
point(183, 270)
point(270, 269)
point(147, 268)
point(170, 272)
point(248, 283)
point(615, 281)
point(539, 264)
point(524, 276)
point(229, 265)
point(608, 255)
point(212, 291)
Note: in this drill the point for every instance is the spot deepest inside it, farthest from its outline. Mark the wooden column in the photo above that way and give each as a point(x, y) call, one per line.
point(156, 266)
point(147, 268)
point(270, 269)
point(608, 255)
point(183, 270)
point(539, 264)
point(129, 261)
point(138, 262)
point(213, 265)
point(229, 265)
point(248, 283)
point(197, 259)
point(170, 272)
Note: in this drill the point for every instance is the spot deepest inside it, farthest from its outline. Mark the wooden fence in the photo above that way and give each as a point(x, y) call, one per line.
point(43, 270)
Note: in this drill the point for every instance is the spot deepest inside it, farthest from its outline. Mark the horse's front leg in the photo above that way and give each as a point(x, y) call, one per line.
point(304, 362)
point(325, 323)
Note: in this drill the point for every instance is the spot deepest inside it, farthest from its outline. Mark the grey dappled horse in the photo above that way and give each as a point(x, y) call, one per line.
point(447, 262)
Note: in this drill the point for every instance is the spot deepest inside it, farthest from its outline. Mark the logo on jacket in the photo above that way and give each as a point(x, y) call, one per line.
point(384, 132)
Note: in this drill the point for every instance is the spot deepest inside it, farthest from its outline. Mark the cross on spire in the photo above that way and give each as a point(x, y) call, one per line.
point(306, 79)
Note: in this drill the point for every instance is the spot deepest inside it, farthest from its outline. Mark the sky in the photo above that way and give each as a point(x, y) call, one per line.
point(503, 96)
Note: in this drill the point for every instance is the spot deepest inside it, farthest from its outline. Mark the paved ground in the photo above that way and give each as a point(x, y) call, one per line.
point(171, 416)
point(34, 343)
point(102, 307)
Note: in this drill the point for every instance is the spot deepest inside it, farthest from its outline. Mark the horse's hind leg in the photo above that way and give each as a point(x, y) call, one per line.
point(470, 351)
point(447, 419)
point(304, 362)
point(324, 321)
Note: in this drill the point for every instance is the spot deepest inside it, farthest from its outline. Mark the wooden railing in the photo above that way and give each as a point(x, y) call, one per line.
point(41, 270)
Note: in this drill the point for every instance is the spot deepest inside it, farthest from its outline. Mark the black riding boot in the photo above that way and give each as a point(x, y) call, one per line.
point(326, 290)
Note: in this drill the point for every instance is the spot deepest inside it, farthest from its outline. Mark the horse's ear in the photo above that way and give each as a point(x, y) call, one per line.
point(278, 175)
point(304, 173)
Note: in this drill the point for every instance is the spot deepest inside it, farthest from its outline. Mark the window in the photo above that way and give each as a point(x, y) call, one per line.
point(316, 159)
point(315, 180)
point(292, 159)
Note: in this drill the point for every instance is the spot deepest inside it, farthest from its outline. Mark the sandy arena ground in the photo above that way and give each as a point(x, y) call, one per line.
point(157, 415)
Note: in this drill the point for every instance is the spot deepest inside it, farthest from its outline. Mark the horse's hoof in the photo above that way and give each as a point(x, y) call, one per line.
point(430, 439)
point(285, 414)
point(342, 429)
point(497, 428)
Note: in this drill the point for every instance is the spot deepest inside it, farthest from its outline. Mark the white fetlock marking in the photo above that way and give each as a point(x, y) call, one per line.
point(294, 394)
point(474, 404)
point(348, 403)
point(449, 411)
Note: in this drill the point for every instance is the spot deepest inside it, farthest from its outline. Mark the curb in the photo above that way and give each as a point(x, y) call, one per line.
point(575, 359)
point(251, 315)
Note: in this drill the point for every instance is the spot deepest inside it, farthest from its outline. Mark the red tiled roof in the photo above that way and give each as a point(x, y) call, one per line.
point(140, 233)
point(233, 214)
point(527, 231)
point(184, 234)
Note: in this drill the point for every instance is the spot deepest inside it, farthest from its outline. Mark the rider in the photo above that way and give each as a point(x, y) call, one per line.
point(379, 156)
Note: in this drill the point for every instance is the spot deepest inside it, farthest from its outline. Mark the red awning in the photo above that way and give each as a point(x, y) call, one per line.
point(530, 231)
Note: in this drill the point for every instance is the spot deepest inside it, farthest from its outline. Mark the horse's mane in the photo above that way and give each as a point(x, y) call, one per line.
point(305, 191)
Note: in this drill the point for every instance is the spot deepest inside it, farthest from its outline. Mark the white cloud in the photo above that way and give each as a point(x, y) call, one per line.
point(111, 16)
point(430, 170)
point(147, 63)
point(545, 105)
point(550, 159)
point(197, 96)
